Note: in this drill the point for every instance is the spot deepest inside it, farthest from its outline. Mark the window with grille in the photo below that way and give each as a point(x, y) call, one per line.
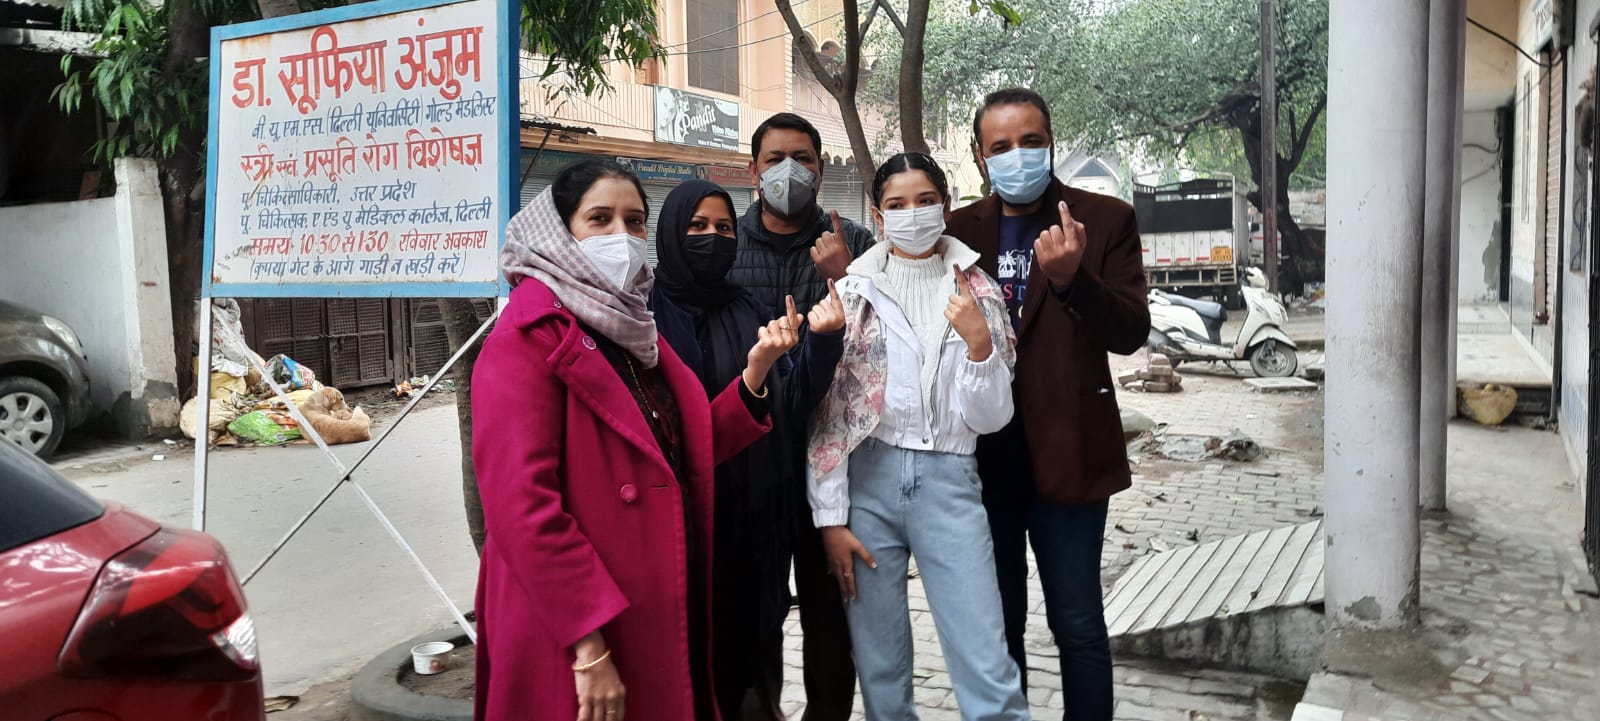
point(712, 27)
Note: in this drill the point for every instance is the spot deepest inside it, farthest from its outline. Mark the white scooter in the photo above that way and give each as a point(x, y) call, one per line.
point(1186, 329)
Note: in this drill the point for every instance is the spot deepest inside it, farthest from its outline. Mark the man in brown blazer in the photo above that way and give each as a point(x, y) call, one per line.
point(1069, 262)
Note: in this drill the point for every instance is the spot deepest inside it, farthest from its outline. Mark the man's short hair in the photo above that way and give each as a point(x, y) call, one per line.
point(785, 121)
point(1009, 96)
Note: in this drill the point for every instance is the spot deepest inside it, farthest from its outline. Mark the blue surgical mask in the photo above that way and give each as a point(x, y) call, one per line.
point(1021, 175)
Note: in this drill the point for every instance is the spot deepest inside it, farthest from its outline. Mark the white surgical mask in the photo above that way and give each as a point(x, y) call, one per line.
point(618, 256)
point(914, 230)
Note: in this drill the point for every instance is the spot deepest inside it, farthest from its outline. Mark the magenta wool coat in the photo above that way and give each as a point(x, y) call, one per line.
point(585, 521)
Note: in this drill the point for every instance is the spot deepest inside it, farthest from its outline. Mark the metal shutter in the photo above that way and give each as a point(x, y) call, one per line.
point(430, 341)
point(743, 198)
point(358, 342)
point(430, 344)
point(535, 182)
point(842, 191)
point(295, 327)
point(1549, 249)
point(655, 199)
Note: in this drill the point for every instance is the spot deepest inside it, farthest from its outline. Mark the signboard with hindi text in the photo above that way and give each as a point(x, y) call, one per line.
point(366, 150)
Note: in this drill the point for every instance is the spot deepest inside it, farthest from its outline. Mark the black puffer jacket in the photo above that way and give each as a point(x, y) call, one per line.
point(771, 266)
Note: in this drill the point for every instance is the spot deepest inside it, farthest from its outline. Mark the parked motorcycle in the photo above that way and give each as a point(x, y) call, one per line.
point(1186, 329)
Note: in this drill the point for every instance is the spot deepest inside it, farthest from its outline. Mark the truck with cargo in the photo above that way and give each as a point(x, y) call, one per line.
point(1195, 237)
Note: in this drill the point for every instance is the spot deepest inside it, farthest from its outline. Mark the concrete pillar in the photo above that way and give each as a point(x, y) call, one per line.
point(1453, 294)
point(1446, 60)
point(1377, 131)
point(151, 403)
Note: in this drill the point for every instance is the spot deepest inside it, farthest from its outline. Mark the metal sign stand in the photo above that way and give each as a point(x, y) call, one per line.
point(506, 18)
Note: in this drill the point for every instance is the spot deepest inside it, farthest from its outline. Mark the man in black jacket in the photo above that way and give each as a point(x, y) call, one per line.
point(789, 246)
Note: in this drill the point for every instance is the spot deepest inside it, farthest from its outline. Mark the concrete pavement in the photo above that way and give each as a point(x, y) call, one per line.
point(1506, 636)
point(341, 593)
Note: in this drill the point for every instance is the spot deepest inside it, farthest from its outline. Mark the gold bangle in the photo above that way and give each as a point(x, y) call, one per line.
point(758, 396)
point(580, 668)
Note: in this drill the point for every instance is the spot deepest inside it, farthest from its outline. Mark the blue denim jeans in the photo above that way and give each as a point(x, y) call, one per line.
point(928, 505)
point(1067, 542)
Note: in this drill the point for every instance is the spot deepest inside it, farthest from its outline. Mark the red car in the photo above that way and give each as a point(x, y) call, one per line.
point(105, 615)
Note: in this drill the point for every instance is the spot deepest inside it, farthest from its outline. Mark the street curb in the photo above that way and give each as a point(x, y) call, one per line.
point(376, 693)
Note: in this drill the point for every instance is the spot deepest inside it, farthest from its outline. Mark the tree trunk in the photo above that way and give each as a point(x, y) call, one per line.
point(460, 322)
point(913, 131)
point(183, 194)
point(278, 8)
point(866, 167)
point(841, 86)
point(1291, 274)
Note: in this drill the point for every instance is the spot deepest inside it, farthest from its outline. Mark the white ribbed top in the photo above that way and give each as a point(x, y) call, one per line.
point(922, 287)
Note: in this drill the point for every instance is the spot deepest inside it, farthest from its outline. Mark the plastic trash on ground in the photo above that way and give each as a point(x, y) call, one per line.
point(265, 428)
point(289, 375)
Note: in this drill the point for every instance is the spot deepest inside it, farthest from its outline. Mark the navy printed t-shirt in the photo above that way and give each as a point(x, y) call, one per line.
point(1017, 236)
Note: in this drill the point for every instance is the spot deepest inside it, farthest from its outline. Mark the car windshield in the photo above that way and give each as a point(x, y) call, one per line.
point(35, 501)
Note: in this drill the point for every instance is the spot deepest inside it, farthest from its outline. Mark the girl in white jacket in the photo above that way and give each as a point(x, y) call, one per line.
point(926, 369)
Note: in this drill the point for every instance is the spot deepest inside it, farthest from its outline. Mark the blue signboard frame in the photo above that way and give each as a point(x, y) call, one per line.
point(508, 17)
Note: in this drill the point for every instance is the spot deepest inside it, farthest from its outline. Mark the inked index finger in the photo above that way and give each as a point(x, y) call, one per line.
point(838, 227)
point(1066, 215)
point(792, 311)
point(963, 287)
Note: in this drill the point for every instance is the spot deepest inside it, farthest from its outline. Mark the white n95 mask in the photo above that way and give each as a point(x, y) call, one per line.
point(618, 256)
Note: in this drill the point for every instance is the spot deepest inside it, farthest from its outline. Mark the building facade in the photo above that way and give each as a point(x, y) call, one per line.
point(1528, 205)
point(729, 65)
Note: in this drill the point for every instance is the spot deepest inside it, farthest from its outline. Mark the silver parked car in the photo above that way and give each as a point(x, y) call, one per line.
point(44, 379)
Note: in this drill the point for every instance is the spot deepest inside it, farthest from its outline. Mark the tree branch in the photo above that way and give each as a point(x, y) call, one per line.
point(866, 25)
point(850, 76)
point(808, 49)
point(913, 134)
point(894, 17)
point(1303, 137)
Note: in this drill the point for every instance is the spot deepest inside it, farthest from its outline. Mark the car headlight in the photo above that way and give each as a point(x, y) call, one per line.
point(64, 332)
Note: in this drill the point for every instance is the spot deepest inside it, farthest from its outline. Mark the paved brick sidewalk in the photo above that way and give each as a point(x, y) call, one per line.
point(1507, 638)
point(1172, 504)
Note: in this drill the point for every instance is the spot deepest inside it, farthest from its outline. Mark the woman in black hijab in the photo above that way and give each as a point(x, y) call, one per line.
point(711, 323)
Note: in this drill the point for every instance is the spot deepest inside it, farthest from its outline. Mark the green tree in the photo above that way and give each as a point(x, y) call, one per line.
point(151, 80)
point(842, 76)
point(1196, 64)
point(1169, 80)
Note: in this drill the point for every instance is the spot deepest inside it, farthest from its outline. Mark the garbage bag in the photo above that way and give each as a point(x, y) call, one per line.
point(1489, 405)
point(223, 411)
point(224, 386)
point(229, 354)
point(288, 374)
point(265, 428)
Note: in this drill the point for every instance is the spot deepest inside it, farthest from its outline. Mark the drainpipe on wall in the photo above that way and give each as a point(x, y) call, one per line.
point(1561, 246)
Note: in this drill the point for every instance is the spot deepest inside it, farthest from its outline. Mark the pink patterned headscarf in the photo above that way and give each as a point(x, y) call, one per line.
point(539, 246)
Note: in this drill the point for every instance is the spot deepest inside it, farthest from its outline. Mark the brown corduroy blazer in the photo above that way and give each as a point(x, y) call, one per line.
point(1064, 391)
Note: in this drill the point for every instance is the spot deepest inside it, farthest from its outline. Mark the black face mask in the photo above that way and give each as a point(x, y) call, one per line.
point(709, 256)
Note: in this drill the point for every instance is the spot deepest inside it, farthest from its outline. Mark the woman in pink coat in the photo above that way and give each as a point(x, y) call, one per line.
point(594, 447)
